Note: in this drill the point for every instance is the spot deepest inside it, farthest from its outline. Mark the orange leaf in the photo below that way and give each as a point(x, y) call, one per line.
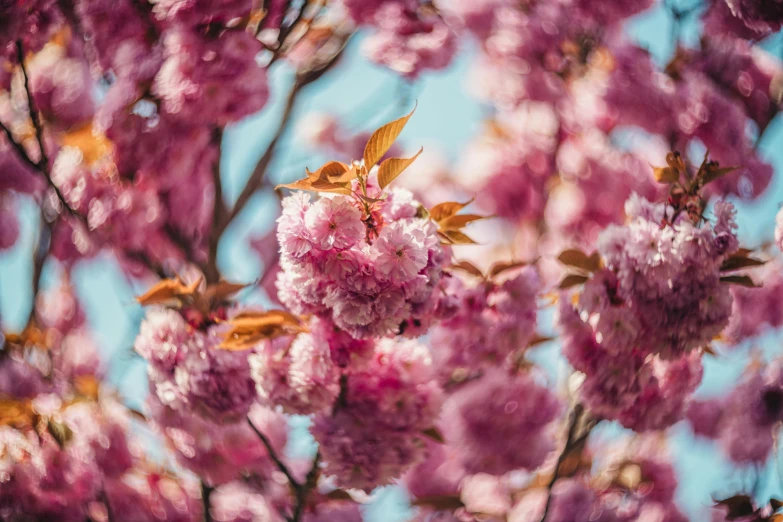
point(711, 173)
point(579, 259)
point(445, 210)
point(249, 328)
point(221, 290)
point(390, 168)
point(675, 161)
point(87, 386)
point(321, 185)
point(467, 266)
point(168, 292)
point(665, 174)
point(332, 171)
point(572, 280)
point(455, 237)
point(499, 268)
point(745, 281)
point(92, 144)
point(459, 221)
point(736, 262)
point(434, 434)
point(15, 413)
point(539, 339)
point(317, 185)
point(382, 139)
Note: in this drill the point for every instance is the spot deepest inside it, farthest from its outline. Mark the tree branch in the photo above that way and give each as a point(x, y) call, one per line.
point(572, 441)
point(211, 272)
point(257, 177)
point(300, 490)
point(301, 494)
point(206, 491)
point(295, 485)
point(42, 165)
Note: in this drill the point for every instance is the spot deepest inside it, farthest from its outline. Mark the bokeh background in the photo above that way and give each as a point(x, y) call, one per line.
point(362, 96)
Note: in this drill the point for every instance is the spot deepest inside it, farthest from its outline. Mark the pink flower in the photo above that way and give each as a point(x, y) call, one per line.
point(334, 223)
point(400, 252)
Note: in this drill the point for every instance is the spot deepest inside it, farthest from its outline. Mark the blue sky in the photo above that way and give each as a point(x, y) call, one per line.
point(364, 96)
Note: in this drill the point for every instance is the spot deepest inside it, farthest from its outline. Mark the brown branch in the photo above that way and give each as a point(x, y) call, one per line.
point(300, 490)
point(285, 32)
point(295, 485)
point(572, 441)
point(211, 271)
point(257, 177)
point(43, 163)
point(310, 483)
point(206, 491)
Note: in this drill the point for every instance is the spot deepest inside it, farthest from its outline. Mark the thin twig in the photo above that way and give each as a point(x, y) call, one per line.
point(301, 494)
point(206, 491)
point(211, 271)
point(285, 32)
point(257, 177)
point(43, 163)
point(571, 442)
point(19, 148)
point(273, 455)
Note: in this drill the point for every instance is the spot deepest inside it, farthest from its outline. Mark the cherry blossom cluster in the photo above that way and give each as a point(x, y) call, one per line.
point(638, 323)
point(375, 429)
point(412, 348)
point(187, 372)
point(489, 326)
point(372, 275)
